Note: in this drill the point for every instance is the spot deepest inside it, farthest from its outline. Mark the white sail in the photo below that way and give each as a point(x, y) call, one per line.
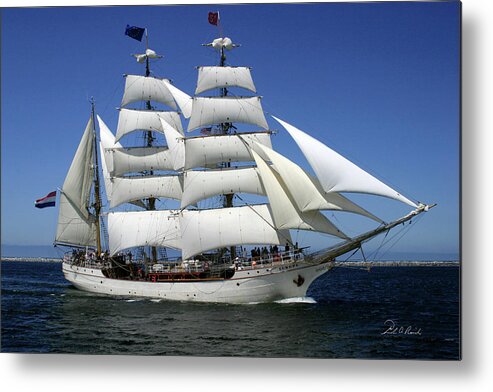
point(218, 77)
point(204, 151)
point(73, 227)
point(336, 173)
point(146, 88)
point(183, 100)
point(78, 182)
point(204, 230)
point(75, 223)
point(139, 159)
point(342, 203)
point(217, 110)
point(130, 120)
point(303, 188)
point(285, 214)
point(143, 228)
point(107, 141)
point(176, 145)
point(126, 189)
point(202, 184)
point(106, 172)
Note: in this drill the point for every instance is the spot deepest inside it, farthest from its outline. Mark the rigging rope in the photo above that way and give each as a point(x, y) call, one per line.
point(266, 221)
point(397, 236)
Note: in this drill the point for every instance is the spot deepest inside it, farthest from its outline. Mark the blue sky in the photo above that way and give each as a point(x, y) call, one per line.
point(378, 82)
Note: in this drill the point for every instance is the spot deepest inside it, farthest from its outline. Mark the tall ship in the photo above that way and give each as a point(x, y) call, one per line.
point(214, 244)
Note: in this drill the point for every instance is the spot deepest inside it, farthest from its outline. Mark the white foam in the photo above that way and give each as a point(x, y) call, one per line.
point(297, 300)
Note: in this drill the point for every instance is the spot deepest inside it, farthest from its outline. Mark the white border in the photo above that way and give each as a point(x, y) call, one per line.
point(131, 373)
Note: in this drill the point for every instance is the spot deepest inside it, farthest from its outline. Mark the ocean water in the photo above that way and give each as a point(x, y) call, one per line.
point(387, 313)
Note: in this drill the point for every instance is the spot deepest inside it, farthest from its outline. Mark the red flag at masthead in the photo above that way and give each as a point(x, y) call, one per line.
point(214, 18)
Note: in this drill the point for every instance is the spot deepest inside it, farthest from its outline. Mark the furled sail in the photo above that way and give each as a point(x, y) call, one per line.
point(204, 230)
point(202, 184)
point(284, 213)
point(218, 77)
point(183, 100)
point(76, 226)
point(146, 88)
point(203, 151)
point(143, 228)
point(303, 188)
point(130, 120)
point(336, 173)
point(217, 110)
point(139, 159)
point(126, 189)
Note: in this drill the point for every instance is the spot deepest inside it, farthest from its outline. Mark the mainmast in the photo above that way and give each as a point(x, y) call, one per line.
point(97, 196)
point(225, 128)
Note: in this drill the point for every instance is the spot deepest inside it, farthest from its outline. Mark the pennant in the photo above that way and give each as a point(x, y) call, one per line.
point(135, 32)
point(214, 18)
point(47, 201)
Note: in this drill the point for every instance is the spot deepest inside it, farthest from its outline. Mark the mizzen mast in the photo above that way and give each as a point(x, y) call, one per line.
point(97, 190)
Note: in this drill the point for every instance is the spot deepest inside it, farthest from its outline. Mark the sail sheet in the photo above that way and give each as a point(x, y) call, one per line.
point(126, 189)
point(284, 212)
point(204, 230)
point(130, 120)
point(139, 159)
point(204, 151)
point(75, 223)
point(183, 100)
point(73, 227)
point(176, 145)
point(202, 184)
point(143, 228)
point(78, 182)
point(342, 203)
point(106, 173)
point(146, 88)
point(303, 188)
point(336, 173)
point(107, 141)
point(217, 110)
point(218, 77)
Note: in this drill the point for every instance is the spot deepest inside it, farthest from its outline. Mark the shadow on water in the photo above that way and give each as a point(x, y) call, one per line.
point(343, 317)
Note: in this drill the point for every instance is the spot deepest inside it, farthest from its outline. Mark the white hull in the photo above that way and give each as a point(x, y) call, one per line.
point(246, 286)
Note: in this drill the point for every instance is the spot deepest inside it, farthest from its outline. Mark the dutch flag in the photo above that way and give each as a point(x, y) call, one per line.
point(47, 201)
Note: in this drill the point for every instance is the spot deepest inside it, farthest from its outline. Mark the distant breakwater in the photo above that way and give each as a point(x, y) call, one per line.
point(408, 263)
point(355, 264)
point(33, 259)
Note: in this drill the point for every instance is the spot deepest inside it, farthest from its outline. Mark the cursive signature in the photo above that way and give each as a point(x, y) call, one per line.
point(394, 329)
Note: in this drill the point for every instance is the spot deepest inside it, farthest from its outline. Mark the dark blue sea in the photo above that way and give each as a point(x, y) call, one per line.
point(387, 313)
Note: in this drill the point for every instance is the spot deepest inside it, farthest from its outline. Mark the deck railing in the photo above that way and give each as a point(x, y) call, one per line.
point(240, 263)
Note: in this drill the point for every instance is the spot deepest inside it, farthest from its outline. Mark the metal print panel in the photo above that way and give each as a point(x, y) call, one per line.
point(350, 249)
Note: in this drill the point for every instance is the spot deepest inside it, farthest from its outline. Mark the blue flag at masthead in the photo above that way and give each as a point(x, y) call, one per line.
point(135, 32)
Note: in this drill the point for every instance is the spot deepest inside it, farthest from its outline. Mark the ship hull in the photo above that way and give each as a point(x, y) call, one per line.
point(247, 286)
